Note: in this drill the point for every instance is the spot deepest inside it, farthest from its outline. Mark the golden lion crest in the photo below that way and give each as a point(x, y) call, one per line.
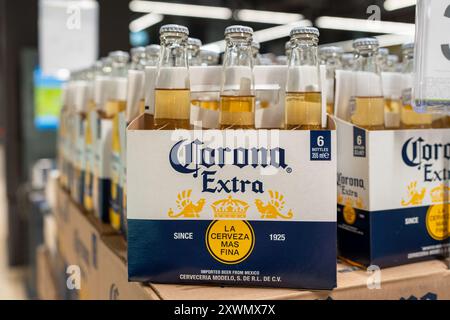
point(272, 210)
point(187, 208)
point(415, 197)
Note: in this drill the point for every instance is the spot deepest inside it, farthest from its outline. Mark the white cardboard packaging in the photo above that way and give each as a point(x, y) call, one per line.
point(179, 207)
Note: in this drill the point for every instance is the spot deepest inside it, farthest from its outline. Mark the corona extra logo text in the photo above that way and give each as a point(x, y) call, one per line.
point(348, 186)
point(428, 157)
point(194, 157)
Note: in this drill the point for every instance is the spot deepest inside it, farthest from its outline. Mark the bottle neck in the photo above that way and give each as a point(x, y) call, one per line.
point(138, 63)
point(173, 71)
point(366, 60)
point(303, 71)
point(303, 52)
point(152, 60)
point(119, 69)
point(173, 52)
point(237, 77)
point(238, 52)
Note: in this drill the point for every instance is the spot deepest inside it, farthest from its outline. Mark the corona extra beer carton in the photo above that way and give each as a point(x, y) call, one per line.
point(392, 190)
point(204, 209)
point(254, 207)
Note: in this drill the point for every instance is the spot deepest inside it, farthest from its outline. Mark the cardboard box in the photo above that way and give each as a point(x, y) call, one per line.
point(78, 237)
point(46, 283)
point(113, 281)
point(99, 252)
point(428, 280)
point(179, 208)
point(392, 194)
point(423, 280)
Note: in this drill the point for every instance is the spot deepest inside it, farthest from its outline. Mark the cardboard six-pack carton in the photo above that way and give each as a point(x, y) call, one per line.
point(253, 208)
point(393, 205)
point(232, 207)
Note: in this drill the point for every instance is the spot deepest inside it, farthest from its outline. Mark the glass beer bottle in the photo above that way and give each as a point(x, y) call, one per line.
point(368, 104)
point(172, 96)
point(237, 99)
point(303, 106)
point(152, 54)
point(331, 58)
point(193, 50)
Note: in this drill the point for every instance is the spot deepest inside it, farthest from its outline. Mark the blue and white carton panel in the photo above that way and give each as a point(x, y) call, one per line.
point(392, 194)
point(232, 207)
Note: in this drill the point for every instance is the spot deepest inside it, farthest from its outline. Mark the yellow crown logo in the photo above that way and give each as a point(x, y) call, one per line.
point(439, 194)
point(230, 208)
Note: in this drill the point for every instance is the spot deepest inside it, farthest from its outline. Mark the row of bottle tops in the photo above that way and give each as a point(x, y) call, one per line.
point(166, 67)
point(118, 62)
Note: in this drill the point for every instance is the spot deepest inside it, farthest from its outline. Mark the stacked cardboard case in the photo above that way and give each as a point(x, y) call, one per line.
point(89, 262)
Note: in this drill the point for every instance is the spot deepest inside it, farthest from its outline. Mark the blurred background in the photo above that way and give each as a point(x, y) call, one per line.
point(42, 41)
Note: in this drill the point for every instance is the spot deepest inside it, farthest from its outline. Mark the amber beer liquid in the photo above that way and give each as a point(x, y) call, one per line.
point(330, 107)
point(369, 113)
point(237, 112)
point(206, 104)
point(303, 110)
point(410, 119)
point(172, 109)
